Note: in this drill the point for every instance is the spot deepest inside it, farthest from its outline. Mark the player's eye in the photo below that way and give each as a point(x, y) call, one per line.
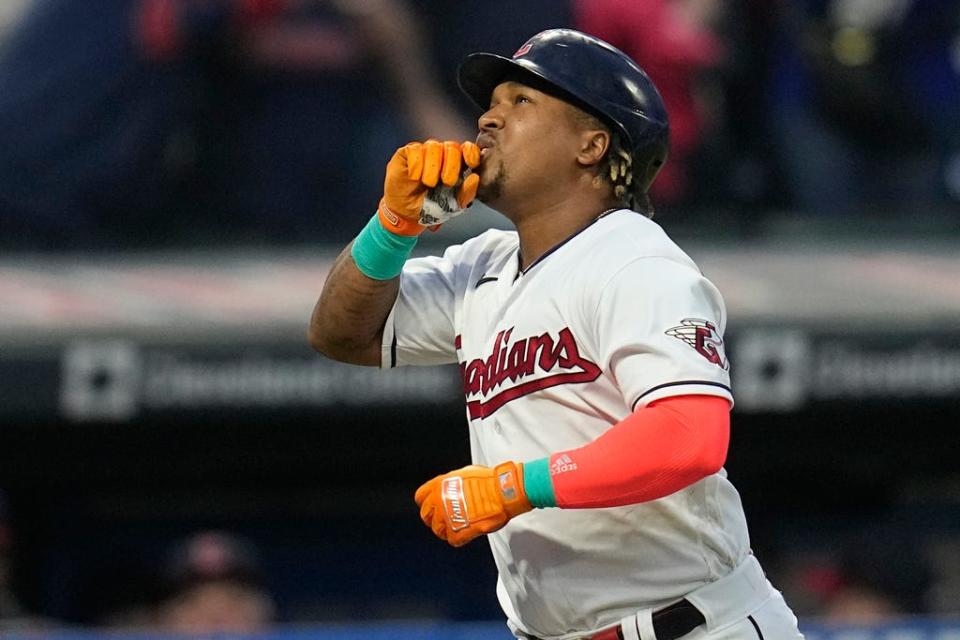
point(520, 99)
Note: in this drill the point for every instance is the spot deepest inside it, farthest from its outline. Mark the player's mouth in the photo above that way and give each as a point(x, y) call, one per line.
point(485, 141)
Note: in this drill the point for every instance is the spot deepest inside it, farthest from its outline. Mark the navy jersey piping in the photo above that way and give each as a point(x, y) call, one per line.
point(676, 384)
point(523, 272)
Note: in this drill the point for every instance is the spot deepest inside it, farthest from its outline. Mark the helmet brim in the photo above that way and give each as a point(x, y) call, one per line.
point(480, 73)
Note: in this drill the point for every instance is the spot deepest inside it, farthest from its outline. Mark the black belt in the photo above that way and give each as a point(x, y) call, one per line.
point(669, 623)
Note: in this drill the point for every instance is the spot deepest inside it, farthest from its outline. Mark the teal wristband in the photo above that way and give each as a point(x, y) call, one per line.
point(380, 254)
point(537, 483)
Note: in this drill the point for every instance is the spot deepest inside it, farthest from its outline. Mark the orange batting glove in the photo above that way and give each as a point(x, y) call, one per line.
point(463, 504)
point(415, 169)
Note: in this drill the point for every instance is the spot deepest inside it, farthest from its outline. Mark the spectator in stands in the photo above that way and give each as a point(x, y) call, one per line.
point(314, 94)
point(676, 42)
point(853, 585)
point(205, 121)
point(860, 604)
point(83, 127)
point(864, 103)
point(213, 584)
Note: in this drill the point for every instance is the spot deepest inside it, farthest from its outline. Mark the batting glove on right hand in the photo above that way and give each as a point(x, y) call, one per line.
point(416, 169)
point(469, 502)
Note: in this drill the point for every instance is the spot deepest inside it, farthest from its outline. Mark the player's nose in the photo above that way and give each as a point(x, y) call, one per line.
point(491, 120)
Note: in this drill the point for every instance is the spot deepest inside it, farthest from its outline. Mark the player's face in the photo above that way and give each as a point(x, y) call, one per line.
point(529, 143)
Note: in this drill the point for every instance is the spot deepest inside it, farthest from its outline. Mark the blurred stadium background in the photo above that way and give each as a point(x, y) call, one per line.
point(176, 177)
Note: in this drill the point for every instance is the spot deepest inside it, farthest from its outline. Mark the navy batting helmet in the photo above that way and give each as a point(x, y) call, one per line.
point(589, 73)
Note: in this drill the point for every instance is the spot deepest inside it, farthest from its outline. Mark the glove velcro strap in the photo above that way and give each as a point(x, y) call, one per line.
point(380, 254)
point(397, 224)
point(509, 479)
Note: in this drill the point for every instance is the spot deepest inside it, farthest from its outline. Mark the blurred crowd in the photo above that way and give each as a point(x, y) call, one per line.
point(158, 123)
point(207, 582)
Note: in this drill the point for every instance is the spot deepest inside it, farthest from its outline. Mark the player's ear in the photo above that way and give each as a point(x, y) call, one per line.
point(593, 146)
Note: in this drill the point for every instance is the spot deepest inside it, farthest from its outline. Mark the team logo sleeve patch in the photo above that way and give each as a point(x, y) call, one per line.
point(702, 336)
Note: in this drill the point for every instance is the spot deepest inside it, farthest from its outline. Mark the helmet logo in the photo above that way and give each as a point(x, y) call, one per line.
point(522, 50)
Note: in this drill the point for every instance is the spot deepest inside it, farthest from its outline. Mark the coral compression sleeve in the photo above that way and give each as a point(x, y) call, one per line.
point(655, 451)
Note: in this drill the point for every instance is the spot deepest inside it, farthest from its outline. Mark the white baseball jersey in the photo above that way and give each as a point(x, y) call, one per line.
point(615, 317)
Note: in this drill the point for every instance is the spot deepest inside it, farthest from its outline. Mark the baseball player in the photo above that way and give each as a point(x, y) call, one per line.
point(591, 352)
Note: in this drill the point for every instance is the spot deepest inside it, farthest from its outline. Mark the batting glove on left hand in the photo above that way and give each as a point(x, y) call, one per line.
point(420, 169)
point(472, 501)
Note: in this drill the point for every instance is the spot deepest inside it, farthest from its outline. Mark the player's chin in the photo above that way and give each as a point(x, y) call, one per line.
point(491, 184)
point(488, 193)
